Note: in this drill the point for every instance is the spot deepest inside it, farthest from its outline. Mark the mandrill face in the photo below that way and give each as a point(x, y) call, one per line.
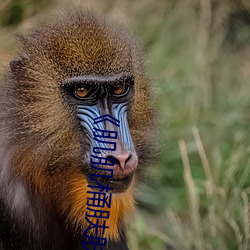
point(93, 96)
point(69, 72)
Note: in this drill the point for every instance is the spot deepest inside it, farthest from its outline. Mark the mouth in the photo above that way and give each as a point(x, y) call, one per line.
point(119, 183)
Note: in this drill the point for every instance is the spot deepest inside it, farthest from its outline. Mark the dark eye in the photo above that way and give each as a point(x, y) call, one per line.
point(81, 92)
point(119, 90)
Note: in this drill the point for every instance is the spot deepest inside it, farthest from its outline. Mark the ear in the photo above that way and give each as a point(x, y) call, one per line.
point(18, 63)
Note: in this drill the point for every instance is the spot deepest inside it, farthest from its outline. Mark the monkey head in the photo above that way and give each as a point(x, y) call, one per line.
point(70, 71)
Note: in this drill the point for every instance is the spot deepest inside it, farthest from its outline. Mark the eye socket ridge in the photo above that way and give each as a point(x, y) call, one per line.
point(122, 87)
point(88, 98)
point(119, 89)
point(123, 97)
point(88, 92)
point(83, 91)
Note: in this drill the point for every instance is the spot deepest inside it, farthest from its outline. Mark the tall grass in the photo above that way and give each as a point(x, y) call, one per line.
point(216, 215)
point(198, 197)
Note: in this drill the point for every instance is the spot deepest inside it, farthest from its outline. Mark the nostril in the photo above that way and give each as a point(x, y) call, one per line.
point(116, 161)
point(120, 160)
point(130, 156)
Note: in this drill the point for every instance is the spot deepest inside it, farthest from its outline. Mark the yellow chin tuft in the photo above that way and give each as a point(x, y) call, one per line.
point(122, 205)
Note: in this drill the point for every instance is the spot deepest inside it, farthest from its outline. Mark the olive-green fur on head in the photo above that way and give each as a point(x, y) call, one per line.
point(73, 44)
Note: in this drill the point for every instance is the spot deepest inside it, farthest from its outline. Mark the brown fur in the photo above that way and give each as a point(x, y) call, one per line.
point(40, 135)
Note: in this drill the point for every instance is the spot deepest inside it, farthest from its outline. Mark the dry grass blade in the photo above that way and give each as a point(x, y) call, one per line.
point(192, 197)
point(204, 160)
point(246, 220)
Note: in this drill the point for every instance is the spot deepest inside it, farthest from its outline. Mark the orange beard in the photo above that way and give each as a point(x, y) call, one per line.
point(121, 206)
point(68, 191)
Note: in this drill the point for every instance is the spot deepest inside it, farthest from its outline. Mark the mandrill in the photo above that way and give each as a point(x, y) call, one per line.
point(70, 71)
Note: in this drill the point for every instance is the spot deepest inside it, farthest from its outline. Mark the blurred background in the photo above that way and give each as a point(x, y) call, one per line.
point(196, 194)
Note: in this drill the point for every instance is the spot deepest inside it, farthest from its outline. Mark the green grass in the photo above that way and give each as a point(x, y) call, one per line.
point(199, 189)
